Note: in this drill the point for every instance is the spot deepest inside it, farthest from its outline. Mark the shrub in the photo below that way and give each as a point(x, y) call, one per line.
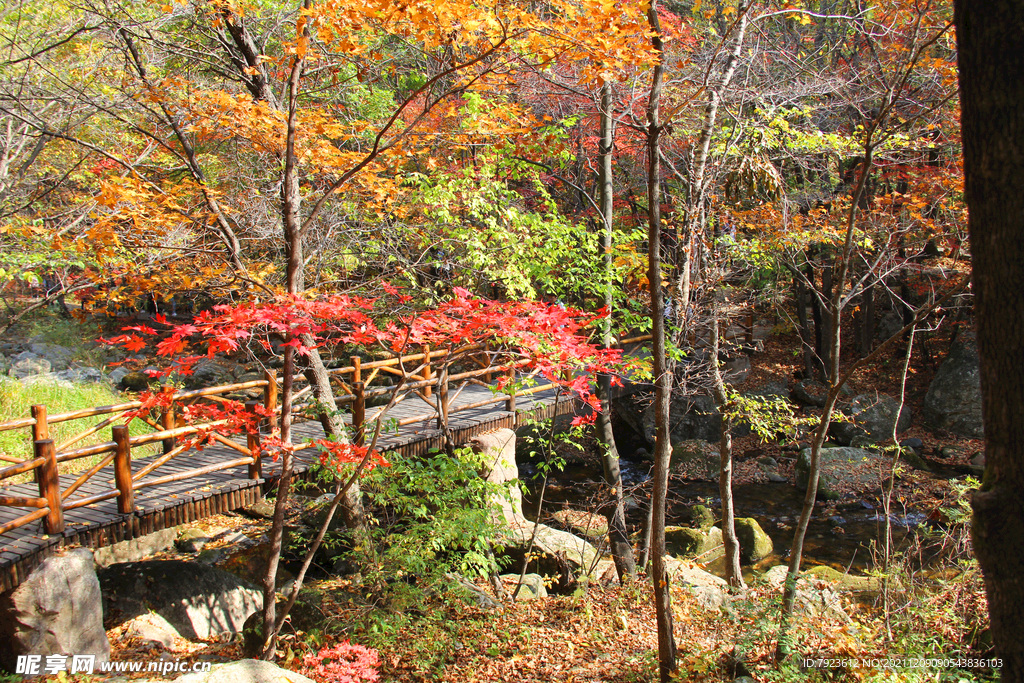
point(344, 663)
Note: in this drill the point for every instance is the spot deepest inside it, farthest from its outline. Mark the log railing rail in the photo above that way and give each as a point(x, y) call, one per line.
point(419, 376)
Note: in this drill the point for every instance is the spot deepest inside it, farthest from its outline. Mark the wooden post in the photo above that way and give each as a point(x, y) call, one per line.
point(252, 442)
point(442, 399)
point(40, 430)
point(270, 396)
point(487, 358)
point(359, 414)
point(427, 371)
point(123, 470)
point(750, 327)
point(357, 369)
point(49, 486)
point(510, 402)
point(167, 419)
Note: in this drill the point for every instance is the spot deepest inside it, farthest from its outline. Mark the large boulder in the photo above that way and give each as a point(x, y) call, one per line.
point(710, 591)
point(60, 357)
point(681, 541)
point(244, 671)
point(58, 610)
point(554, 552)
point(197, 600)
point(692, 417)
point(873, 417)
point(841, 469)
point(813, 598)
point(498, 450)
point(953, 401)
point(755, 544)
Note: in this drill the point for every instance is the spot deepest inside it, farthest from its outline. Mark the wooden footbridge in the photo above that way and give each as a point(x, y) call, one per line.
point(100, 494)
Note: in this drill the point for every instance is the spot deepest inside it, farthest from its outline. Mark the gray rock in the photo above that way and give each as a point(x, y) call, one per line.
point(81, 375)
point(953, 401)
point(813, 598)
point(841, 468)
point(533, 586)
point(554, 553)
point(261, 509)
point(873, 416)
point(588, 524)
point(57, 610)
point(47, 378)
point(694, 417)
point(810, 393)
point(498, 449)
point(59, 356)
point(116, 375)
point(27, 364)
point(191, 540)
point(198, 601)
point(735, 370)
point(245, 671)
point(711, 591)
point(713, 546)
point(210, 373)
point(474, 593)
point(136, 549)
point(153, 628)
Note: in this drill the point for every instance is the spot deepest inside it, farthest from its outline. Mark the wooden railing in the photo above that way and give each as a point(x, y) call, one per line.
point(425, 374)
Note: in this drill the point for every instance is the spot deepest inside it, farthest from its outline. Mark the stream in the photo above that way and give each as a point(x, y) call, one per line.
point(843, 539)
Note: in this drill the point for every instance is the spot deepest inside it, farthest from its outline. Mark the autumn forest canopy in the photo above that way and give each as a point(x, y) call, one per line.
point(147, 148)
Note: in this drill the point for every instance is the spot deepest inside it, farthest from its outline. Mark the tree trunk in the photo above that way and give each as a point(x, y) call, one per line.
point(621, 549)
point(330, 419)
point(803, 324)
point(992, 104)
point(867, 320)
point(662, 372)
point(732, 545)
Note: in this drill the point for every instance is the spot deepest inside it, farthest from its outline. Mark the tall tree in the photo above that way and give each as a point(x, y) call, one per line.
point(661, 365)
point(992, 103)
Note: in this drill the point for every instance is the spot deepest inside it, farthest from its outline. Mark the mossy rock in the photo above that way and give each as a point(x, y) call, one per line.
point(681, 541)
point(755, 544)
point(846, 582)
point(913, 459)
point(700, 517)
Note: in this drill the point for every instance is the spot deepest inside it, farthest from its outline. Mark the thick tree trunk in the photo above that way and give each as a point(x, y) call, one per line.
point(992, 104)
